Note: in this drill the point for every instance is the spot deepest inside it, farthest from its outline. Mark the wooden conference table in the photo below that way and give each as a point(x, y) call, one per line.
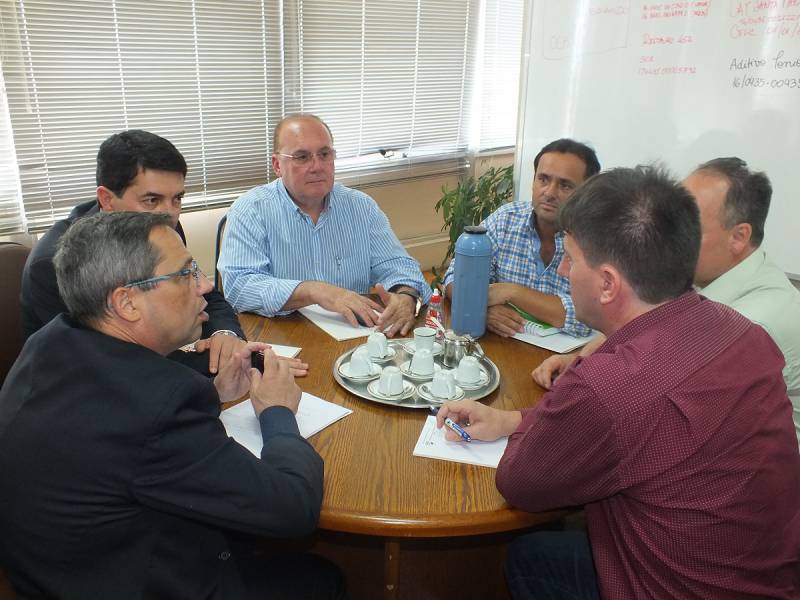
point(375, 487)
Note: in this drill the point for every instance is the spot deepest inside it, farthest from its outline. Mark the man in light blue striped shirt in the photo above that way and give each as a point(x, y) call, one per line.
point(304, 240)
point(527, 245)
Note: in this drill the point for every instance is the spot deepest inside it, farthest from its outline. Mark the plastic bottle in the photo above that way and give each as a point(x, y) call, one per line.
point(471, 281)
point(435, 311)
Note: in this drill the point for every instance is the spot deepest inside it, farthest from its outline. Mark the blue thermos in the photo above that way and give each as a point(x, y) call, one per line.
point(471, 281)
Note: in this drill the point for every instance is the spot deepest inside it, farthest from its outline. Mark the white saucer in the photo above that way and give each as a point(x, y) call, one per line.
point(484, 380)
point(390, 354)
point(424, 391)
point(405, 369)
point(344, 371)
point(410, 347)
point(408, 391)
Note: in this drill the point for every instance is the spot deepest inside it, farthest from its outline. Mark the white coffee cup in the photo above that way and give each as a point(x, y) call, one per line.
point(468, 370)
point(360, 364)
point(422, 362)
point(443, 385)
point(377, 345)
point(391, 382)
point(424, 338)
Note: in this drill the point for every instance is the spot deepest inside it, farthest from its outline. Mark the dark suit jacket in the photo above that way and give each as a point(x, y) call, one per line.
point(122, 483)
point(41, 300)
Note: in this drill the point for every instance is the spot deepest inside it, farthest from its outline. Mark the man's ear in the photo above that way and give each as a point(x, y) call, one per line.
point(610, 281)
point(122, 303)
point(276, 166)
point(739, 238)
point(105, 197)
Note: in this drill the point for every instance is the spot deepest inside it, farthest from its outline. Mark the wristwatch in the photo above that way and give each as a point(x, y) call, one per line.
point(414, 294)
point(225, 332)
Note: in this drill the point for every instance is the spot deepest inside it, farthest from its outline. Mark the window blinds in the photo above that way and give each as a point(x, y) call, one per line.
point(394, 80)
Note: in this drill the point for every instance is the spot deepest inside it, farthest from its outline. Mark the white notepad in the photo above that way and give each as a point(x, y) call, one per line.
point(333, 323)
point(432, 444)
point(557, 342)
point(313, 415)
point(287, 351)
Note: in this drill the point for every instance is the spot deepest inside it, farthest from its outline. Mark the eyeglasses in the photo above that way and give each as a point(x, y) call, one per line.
point(192, 270)
point(325, 155)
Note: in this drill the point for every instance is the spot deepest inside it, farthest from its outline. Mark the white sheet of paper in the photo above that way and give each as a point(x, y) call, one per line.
point(287, 351)
point(558, 342)
point(432, 444)
point(333, 323)
point(313, 415)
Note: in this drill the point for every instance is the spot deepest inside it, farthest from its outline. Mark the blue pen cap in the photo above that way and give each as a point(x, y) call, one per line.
point(474, 242)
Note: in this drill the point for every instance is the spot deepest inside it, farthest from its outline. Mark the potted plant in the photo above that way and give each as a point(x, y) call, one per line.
point(469, 203)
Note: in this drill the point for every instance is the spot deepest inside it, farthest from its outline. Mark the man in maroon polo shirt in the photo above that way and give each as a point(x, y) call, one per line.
point(676, 434)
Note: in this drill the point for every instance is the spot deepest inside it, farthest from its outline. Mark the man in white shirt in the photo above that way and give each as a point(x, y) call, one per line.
point(303, 239)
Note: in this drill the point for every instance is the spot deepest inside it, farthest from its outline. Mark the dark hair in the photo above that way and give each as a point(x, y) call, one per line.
point(641, 221)
point(101, 253)
point(568, 146)
point(748, 197)
point(292, 117)
point(124, 154)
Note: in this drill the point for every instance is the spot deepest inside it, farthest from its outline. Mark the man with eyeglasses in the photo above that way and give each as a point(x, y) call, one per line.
point(304, 240)
point(122, 483)
point(142, 172)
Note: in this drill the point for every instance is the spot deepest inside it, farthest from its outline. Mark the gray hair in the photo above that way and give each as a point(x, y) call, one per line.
point(748, 197)
point(101, 253)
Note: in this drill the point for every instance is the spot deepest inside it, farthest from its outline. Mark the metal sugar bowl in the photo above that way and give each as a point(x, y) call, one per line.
point(456, 347)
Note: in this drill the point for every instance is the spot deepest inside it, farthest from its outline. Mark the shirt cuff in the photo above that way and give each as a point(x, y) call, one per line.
point(276, 294)
point(421, 286)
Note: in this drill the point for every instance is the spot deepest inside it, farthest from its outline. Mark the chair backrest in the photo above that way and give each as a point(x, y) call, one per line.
point(220, 235)
point(12, 261)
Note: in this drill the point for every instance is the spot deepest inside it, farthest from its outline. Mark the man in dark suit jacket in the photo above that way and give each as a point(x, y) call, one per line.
point(142, 172)
point(121, 482)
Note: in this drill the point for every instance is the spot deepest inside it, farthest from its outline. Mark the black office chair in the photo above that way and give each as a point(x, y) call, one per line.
point(12, 261)
point(220, 234)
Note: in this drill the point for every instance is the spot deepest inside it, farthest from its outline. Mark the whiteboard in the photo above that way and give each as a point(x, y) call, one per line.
point(675, 82)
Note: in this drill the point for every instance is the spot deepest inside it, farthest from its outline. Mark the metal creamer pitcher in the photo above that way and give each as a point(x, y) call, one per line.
point(457, 347)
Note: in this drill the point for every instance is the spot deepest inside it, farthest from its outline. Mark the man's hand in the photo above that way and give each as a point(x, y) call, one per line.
point(501, 293)
point(480, 421)
point(350, 305)
point(234, 375)
point(276, 387)
point(220, 349)
point(545, 374)
point(504, 320)
point(398, 314)
point(297, 367)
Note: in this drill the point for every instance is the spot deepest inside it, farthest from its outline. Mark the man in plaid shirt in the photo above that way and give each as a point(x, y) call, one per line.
point(527, 245)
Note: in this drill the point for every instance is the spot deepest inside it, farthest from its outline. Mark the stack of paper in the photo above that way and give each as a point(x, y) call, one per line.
point(432, 444)
point(313, 415)
point(333, 323)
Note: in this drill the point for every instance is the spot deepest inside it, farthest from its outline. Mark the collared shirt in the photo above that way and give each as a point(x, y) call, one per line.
point(677, 435)
point(517, 258)
point(760, 290)
point(271, 246)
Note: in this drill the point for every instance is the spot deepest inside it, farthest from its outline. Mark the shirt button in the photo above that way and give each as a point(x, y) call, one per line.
point(224, 555)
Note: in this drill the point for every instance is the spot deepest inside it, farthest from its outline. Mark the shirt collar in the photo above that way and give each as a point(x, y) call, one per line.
point(283, 193)
point(727, 287)
point(532, 224)
point(650, 319)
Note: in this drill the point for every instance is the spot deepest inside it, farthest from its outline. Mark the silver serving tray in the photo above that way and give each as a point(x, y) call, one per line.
point(360, 389)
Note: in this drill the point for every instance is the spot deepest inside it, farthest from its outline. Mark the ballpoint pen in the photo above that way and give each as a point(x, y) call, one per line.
point(454, 426)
